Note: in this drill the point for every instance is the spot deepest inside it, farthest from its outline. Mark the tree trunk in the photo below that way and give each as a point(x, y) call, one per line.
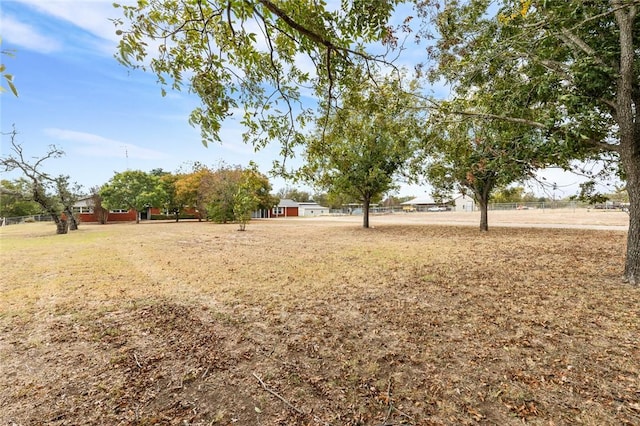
point(177, 216)
point(62, 226)
point(628, 118)
point(103, 216)
point(484, 216)
point(483, 202)
point(137, 216)
point(632, 261)
point(73, 221)
point(40, 198)
point(365, 212)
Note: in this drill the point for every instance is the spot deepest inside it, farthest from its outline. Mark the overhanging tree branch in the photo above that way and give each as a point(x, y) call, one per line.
point(570, 39)
point(516, 120)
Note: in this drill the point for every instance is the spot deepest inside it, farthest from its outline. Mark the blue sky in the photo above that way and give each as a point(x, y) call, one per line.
point(107, 118)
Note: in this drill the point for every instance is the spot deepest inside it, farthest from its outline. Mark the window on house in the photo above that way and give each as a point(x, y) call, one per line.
point(278, 211)
point(83, 209)
point(119, 211)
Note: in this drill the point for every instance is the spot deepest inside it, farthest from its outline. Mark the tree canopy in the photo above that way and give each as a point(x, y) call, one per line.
point(589, 194)
point(470, 154)
point(366, 142)
point(258, 55)
point(132, 189)
point(15, 199)
point(172, 202)
point(581, 63)
point(218, 189)
point(513, 194)
point(252, 193)
point(190, 189)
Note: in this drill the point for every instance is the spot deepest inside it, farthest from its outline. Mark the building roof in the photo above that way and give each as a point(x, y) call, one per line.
point(84, 202)
point(418, 201)
point(311, 205)
point(285, 202)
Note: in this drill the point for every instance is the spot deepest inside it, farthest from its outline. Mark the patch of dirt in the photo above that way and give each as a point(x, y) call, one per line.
point(289, 324)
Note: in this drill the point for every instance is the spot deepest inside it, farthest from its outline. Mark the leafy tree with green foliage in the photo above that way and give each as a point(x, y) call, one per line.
point(581, 60)
point(365, 143)
point(15, 199)
point(620, 194)
point(262, 188)
point(244, 202)
point(172, 202)
point(512, 194)
point(219, 189)
point(251, 54)
point(470, 155)
point(159, 172)
point(191, 189)
point(132, 189)
point(246, 199)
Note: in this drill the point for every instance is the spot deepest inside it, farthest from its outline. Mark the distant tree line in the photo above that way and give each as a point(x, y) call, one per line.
point(223, 194)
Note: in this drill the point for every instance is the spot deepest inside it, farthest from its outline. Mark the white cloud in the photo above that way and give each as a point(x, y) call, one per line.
point(90, 15)
point(91, 145)
point(24, 35)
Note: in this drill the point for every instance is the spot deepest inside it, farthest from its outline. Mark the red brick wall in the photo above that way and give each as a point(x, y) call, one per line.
point(113, 217)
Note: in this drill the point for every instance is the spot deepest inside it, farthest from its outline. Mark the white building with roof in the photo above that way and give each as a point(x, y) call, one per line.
point(311, 208)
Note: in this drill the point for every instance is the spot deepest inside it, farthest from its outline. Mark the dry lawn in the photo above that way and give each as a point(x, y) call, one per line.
point(316, 322)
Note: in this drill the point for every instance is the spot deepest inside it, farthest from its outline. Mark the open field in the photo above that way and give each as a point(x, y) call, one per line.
point(561, 218)
point(317, 321)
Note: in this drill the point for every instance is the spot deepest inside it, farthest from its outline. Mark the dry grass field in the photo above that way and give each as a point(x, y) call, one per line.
point(320, 322)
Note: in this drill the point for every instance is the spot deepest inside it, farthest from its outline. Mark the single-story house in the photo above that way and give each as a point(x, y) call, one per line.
point(285, 208)
point(84, 209)
point(291, 208)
